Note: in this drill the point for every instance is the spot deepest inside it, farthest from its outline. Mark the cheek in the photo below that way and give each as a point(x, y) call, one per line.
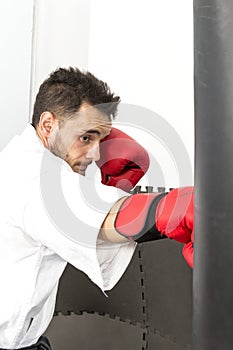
point(77, 151)
point(68, 135)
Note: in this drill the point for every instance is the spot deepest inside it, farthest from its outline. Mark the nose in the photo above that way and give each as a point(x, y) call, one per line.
point(94, 153)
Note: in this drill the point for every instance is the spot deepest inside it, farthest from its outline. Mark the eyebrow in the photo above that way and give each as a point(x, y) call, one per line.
point(92, 131)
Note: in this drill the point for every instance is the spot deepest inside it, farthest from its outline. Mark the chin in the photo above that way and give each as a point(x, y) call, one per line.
point(80, 172)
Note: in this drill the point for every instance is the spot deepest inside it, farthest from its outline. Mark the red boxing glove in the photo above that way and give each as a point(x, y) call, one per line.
point(188, 253)
point(123, 162)
point(151, 216)
point(175, 218)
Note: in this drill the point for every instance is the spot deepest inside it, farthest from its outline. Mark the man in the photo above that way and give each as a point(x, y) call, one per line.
point(44, 226)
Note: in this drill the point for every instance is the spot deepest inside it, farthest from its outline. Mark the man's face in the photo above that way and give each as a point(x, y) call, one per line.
point(76, 140)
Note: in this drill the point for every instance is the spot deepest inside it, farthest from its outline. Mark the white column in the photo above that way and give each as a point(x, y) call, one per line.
point(15, 47)
point(61, 34)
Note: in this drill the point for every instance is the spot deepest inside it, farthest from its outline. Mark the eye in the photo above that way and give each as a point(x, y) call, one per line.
point(85, 138)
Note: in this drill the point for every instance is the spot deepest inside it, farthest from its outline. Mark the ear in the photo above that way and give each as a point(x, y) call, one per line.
point(47, 123)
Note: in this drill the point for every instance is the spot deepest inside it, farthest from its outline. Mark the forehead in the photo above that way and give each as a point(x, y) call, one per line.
point(91, 115)
point(88, 118)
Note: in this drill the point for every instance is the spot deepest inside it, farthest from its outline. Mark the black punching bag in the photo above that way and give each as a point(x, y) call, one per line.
point(213, 273)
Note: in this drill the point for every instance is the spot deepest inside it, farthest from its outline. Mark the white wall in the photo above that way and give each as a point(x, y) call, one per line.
point(61, 33)
point(15, 47)
point(144, 51)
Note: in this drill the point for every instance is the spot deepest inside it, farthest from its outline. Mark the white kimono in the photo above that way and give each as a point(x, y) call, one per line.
point(48, 217)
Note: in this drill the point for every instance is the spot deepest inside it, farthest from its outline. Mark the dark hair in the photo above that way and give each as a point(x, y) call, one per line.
point(66, 89)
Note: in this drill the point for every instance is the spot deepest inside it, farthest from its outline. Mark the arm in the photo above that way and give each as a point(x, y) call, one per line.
point(108, 231)
point(60, 218)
